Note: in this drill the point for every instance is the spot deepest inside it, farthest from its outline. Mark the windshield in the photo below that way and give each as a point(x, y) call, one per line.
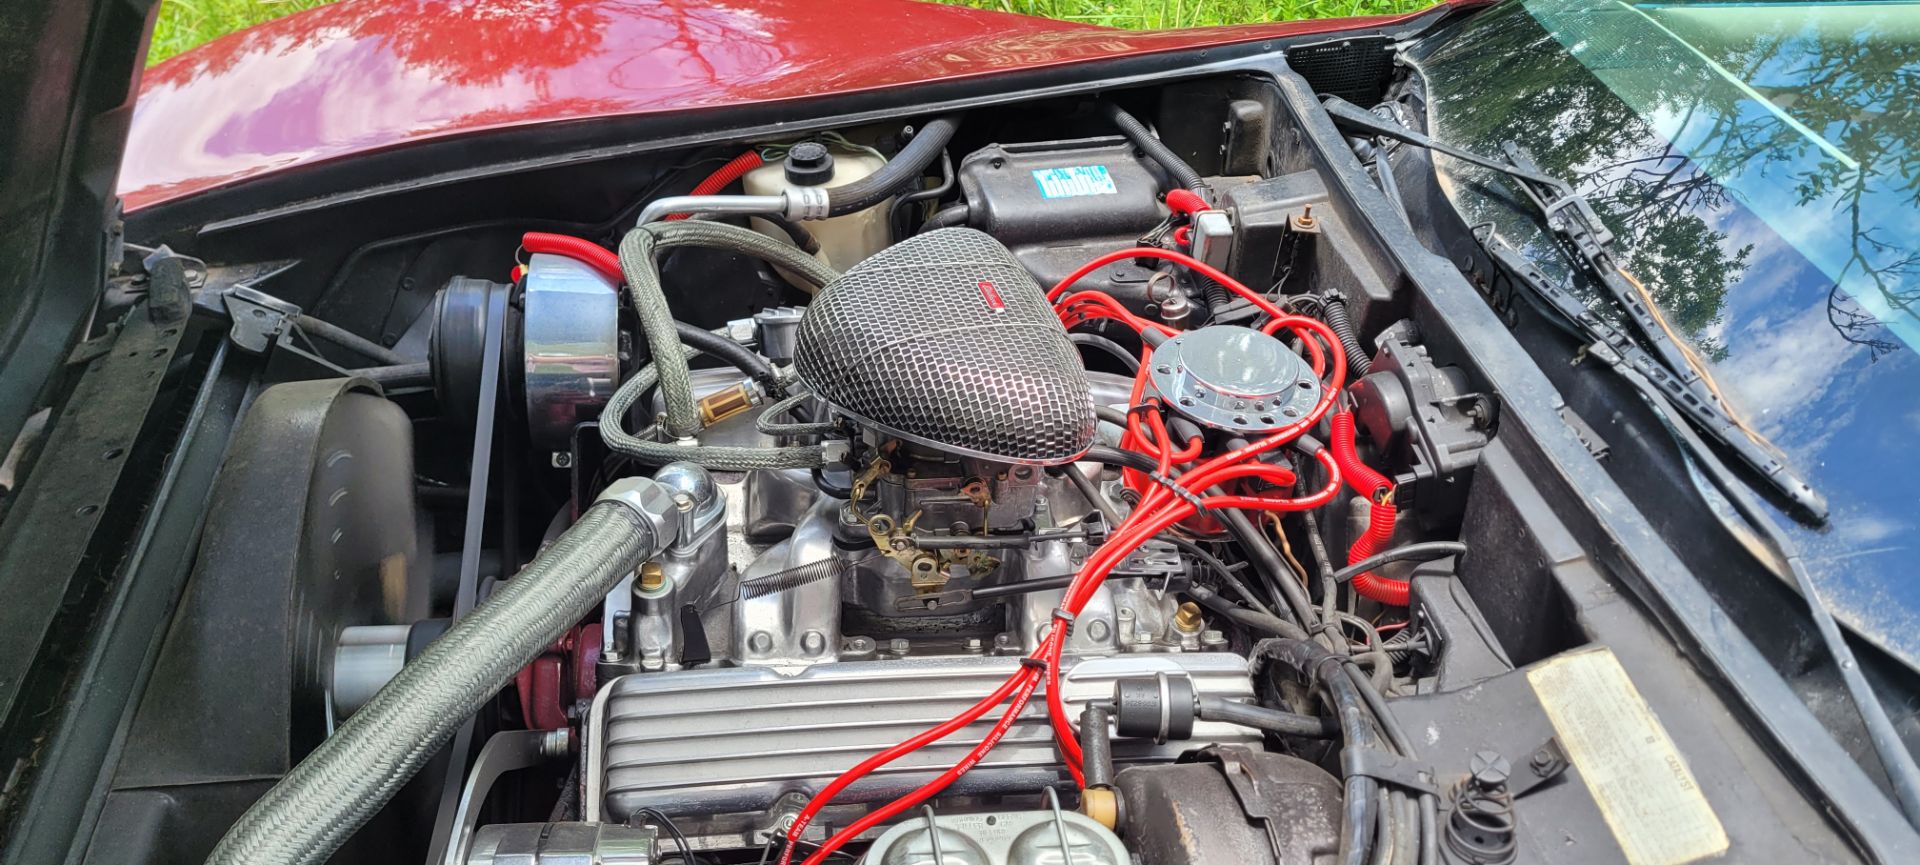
point(1758, 163)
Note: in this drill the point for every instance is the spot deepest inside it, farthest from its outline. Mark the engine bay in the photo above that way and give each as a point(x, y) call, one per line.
point(1075, 479)
point(953, 459)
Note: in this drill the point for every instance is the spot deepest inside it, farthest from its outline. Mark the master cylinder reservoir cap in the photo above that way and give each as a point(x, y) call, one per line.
point(1234, 378)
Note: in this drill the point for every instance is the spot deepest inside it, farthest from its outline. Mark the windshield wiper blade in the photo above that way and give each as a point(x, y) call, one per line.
point(1691, 398)
point(1665, 372)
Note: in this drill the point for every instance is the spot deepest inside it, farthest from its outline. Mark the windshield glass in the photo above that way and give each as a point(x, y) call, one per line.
point(1760, 164)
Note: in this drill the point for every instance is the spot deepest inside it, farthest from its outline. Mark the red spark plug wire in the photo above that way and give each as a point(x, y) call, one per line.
point(1179, 258)
point(724, 176)
point(1380, 516)
point(1159, 508)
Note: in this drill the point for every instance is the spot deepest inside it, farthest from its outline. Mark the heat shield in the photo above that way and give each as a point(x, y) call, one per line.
point(945, 340)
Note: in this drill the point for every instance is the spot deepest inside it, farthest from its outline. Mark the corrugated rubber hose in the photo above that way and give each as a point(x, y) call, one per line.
point(1380, 515)
point(1155, 149)
point(724, 176)
point(1334, 310)
point(305, 817)
point(637, 252)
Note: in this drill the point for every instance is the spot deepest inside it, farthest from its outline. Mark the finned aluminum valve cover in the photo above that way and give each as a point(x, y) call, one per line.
point(945, 340)
point(734, 740)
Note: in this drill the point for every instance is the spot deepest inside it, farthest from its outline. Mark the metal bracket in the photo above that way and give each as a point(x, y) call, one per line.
point(95, 347)
point(1545, 763)
point(263, 323)
point(1232, 760)
point(1388, 768)
point(259, 319)
point(507, 751)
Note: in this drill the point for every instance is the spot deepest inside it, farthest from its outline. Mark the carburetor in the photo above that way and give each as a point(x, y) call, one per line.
point(936, 513)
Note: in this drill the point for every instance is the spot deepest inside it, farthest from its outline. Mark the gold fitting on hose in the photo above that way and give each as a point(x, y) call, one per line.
point(1187, 619)
point(652, 577)
point(1101, 804)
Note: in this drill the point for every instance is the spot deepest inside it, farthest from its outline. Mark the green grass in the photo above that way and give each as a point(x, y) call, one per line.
point(186, 23)
point(1174, 14)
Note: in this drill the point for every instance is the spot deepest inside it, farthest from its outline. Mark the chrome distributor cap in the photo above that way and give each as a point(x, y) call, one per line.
point(1234, 378)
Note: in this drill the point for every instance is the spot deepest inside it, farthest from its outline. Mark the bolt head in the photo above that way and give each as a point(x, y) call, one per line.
point(562, 459)
point(899, 645)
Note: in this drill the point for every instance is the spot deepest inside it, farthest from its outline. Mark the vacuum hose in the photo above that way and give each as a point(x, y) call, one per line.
point(305, 817)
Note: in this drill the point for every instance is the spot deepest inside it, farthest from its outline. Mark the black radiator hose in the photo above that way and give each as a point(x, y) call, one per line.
point(1155, 149)
point(903, 169)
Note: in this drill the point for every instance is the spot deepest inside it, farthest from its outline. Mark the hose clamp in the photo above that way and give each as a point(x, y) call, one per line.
point(806, 202)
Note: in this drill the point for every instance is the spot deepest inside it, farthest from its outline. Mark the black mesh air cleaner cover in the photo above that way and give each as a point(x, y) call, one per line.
point(944, 339)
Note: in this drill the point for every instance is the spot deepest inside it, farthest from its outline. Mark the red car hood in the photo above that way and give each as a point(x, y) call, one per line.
point(362, 75)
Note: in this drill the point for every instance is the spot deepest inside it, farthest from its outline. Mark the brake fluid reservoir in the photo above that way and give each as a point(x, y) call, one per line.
point(844, 240)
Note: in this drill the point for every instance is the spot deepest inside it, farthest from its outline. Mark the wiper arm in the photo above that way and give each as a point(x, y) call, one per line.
point(1665, 373)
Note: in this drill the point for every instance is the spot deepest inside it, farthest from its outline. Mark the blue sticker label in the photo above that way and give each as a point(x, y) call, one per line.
point(1074, 180)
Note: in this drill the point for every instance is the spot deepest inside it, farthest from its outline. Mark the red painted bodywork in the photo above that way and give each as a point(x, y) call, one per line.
point(363, 75)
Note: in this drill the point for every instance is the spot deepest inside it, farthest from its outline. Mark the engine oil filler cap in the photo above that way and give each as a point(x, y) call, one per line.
point(1234, 378)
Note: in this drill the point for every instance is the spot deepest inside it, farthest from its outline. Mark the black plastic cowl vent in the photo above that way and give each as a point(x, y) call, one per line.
point(944, 339)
